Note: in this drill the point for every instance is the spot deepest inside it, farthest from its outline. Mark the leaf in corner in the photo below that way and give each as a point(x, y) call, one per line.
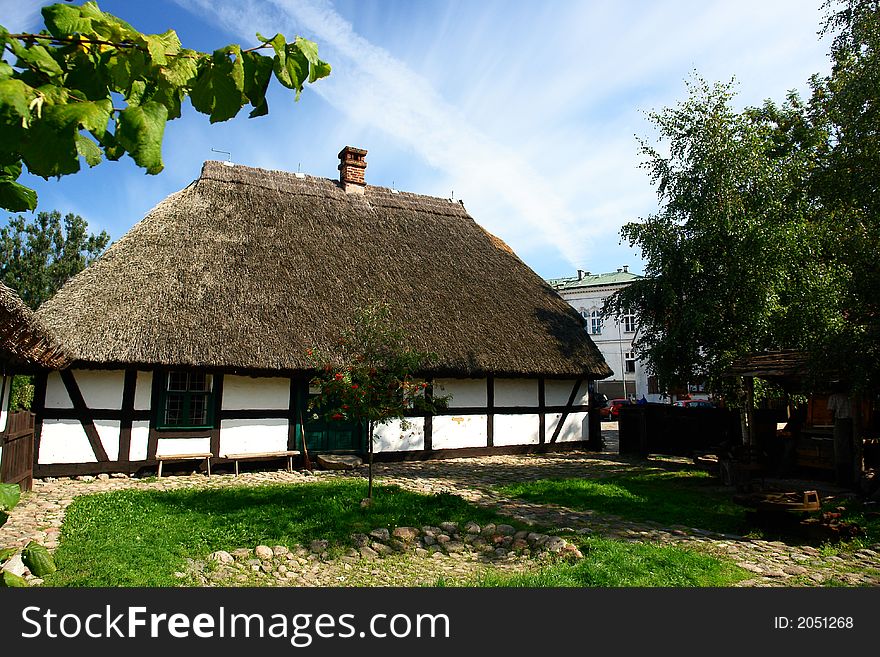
point(140, 131)
point(15, 197)
point(89, 150)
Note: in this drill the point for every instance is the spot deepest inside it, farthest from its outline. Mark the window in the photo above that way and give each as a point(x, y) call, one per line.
point(629, 323)
point(629, 359)
point(596, 322)
point(187, 401)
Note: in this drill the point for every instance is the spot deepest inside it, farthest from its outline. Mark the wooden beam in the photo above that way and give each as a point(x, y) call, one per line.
point(429, 418)
point(127, 417)
point(292, 420)
point(218, 411)
point(155, 402)
point(490, 415)
point(37, 406)
point(85, 418)
point(568, 407)
point(542, 411)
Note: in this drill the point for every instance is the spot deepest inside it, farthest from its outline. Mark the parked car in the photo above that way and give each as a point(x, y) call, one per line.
point(695, 403)
point(611, 411)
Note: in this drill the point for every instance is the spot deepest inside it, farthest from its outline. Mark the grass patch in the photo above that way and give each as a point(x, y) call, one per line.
point(689, 498)
point(140, 538)
point(610, 563)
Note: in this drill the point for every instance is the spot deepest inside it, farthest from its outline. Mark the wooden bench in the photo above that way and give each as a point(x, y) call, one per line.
point(263, 456)
point(184, 457)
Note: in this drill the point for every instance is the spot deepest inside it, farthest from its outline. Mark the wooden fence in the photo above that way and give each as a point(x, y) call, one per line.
point(17, 462)
point(663, 429)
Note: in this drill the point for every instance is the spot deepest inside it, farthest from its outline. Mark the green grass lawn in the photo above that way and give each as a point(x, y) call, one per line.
point(689, 498)
point(140, 538)
point(610, 563)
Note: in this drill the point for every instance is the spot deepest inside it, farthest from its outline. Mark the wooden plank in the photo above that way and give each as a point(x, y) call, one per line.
point(37, 407)
point(292, 420)
point(85, 418)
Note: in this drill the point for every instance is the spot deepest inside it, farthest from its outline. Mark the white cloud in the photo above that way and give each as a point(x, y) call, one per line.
point(529, 111)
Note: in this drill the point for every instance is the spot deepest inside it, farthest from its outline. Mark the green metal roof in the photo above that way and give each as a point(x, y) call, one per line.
point(592, 280)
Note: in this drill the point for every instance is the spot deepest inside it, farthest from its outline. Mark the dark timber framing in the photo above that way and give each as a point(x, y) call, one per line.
point(218, 405)
point(85, 418)
point(542, 414)
point(490, 412)
point(429, 419)
point(127, 417)
point(37, 407)
point(568, 407)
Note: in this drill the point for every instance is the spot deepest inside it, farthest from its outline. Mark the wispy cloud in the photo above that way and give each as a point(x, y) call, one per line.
point(21, 15)
point(529, 112)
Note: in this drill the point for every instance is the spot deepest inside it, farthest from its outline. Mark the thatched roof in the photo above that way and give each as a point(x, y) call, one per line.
point(248, 269)
point(774, 365)
point(24, 341)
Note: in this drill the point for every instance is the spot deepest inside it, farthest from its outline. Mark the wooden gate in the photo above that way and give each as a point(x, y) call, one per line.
point(17, 463)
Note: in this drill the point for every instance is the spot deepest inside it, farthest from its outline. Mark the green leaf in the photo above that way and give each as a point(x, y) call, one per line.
point(219, 87)
point(65, 21)
point(88, 150)
point(125, 67)
point(15, 197)
point(257, 75)
point(180, 70)
point(5, 71)
point(15, 99)
point(36, 57)
point(160, 46)
point(8, 580)
point(9, 496)
point(140, 129)
point(107, 25)
point(307, 48)
point(49, 148)
point(91, 115)
point(5, 553)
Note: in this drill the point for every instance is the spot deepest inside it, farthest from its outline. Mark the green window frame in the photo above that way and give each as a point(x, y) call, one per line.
point(187, 401)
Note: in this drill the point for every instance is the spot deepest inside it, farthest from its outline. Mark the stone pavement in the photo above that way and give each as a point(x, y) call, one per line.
point(41, 512)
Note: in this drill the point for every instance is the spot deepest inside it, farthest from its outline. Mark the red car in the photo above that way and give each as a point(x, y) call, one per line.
point(611, 411)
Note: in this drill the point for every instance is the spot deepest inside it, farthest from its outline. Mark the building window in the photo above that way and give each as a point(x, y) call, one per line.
point(596, 322)
point(629, 359)
point(629, 323)
point(187, 401)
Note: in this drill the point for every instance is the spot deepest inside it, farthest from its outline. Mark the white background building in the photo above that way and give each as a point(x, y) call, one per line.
point(614, 336)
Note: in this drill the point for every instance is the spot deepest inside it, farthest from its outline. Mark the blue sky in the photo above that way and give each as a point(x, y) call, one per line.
point(526, 111)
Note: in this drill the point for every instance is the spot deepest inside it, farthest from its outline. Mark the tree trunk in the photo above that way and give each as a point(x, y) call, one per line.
point(370, 459)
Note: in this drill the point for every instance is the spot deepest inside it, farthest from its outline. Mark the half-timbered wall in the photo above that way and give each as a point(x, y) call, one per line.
point(107, 419)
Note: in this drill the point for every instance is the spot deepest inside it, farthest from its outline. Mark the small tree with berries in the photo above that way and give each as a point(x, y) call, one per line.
point(372, 376)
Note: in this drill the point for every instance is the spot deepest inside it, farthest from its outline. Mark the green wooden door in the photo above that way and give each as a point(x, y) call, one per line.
point(328, 436)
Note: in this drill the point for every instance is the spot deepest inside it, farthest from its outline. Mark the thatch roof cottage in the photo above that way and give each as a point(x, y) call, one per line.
point(190, 334)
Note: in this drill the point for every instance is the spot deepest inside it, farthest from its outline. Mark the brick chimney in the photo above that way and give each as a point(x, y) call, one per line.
point(352, 162)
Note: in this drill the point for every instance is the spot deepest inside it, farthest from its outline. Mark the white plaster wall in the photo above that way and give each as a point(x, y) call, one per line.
point(65, 441)
point(556, 392)
point(143, 392)
point(392, 437)
point(252, 436)
point(459, 431)
point(576, 427)
point(465, 392)
point(56, 393)
point(140, 435)
point(516, 392)
point(183, 446)
point(101, 389)
point(108, 432)
point(245, 392)
point(516, 430)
